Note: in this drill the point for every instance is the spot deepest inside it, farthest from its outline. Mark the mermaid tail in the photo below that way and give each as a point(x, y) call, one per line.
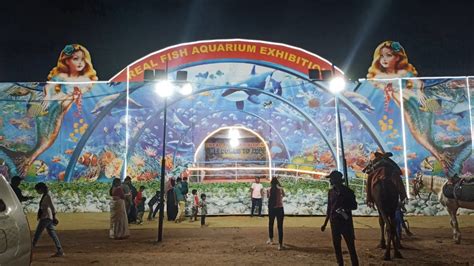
point(48, 125)
point(453, 158)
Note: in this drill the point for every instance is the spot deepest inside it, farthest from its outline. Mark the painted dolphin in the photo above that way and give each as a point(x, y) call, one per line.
point(358, 100)
point(102, 103)
point(178, 124)
point(263, 81)
point(180, 146)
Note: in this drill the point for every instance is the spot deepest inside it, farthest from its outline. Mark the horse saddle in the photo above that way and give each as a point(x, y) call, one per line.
point(462, 190)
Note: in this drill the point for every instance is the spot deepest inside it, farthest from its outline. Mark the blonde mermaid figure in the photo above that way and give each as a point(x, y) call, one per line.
point(390, 62)
point(67, 82)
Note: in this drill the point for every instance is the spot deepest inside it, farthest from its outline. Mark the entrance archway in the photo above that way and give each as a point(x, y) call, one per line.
point(217, 158)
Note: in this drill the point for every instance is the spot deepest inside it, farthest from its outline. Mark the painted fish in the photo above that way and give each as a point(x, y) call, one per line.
point(41, 167)
point(88, 159)
point(267, 104)
point(397, 148)
point(61, 176)
point(313, 103)
point(23, 123)
point(432, 106)
point(69, 151)
point(206, 93)
point(451, 125)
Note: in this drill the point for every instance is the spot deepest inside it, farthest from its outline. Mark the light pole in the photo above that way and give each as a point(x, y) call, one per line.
point(336, 86)
point(165, 88)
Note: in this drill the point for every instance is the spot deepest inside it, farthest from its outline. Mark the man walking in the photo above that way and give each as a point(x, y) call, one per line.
point(341, 202)
point(153, 210)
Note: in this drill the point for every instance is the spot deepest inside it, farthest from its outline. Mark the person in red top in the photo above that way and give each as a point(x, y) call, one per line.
point(195, 205)
point(139, 196)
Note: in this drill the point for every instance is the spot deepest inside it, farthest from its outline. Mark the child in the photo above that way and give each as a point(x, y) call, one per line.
point(203, 206)
point(155, 199)
point(47, 219)
point(140, 210)
point(139, 196)
point(195, 208)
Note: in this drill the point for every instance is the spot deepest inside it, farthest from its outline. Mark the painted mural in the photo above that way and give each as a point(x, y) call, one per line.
point(74, 128)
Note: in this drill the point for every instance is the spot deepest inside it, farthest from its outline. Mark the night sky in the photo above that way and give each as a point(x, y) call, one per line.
point(437, 35)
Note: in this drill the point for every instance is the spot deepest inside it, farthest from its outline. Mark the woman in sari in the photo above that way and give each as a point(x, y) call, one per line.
point(118, 214)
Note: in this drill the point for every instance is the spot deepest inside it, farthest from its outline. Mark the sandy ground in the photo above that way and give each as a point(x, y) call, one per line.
point(241, 240)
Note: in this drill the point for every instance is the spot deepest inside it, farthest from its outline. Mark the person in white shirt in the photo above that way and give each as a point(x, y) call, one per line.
point(47, 219)
point(256, 192)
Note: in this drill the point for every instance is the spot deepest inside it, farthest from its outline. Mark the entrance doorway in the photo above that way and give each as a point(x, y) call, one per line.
point(232, 154)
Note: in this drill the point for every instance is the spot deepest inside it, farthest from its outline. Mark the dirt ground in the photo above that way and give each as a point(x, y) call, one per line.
point(241, 240)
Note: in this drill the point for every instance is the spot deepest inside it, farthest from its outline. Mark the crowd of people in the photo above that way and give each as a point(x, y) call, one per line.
point(127, 206)
point(176, 197)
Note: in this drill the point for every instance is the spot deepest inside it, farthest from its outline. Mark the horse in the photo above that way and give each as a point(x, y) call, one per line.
point(435, 184)
point(385, 193)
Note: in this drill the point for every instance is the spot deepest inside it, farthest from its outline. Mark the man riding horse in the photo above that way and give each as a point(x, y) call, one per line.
point(379, 168)
point(385, 190)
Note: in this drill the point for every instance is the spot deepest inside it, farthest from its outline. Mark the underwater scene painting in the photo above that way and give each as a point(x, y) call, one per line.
point(74, 127)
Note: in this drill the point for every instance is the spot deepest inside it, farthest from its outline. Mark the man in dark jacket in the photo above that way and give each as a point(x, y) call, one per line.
point(154, 200)
point(341, 202)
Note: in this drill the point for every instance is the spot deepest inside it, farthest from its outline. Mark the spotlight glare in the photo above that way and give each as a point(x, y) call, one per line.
point(337, 85)
point(234, 142)
point(186, 89)
point(234, 133)
point(164, 88)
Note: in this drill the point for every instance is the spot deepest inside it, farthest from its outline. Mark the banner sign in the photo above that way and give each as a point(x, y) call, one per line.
point(187, 54)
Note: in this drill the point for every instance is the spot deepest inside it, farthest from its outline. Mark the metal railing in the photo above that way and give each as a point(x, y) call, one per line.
point(241, 169)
